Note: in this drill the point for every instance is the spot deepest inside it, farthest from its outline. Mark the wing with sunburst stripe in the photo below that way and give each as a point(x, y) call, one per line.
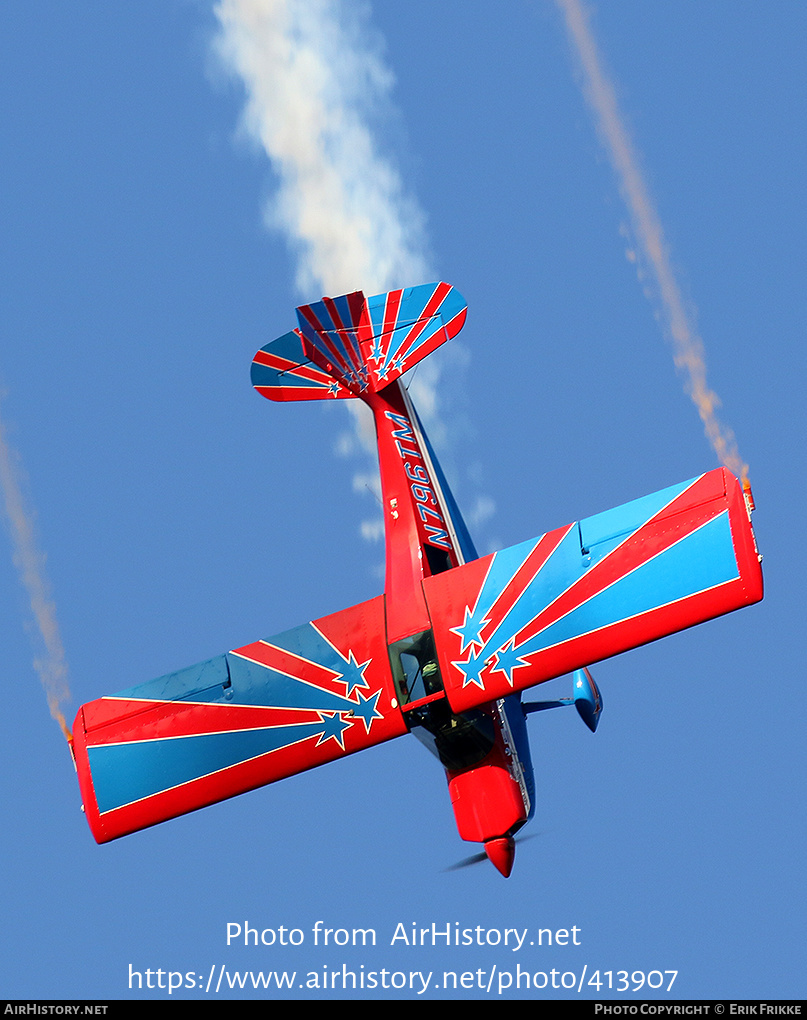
point(594, 588)
point(262, 712)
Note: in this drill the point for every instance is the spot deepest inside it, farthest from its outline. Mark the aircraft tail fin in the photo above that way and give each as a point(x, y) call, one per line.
point(353, 345)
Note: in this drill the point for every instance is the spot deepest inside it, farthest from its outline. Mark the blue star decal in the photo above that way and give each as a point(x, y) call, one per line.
point(470, 630)
point(471, 670)
point(353, 674)
point(507, 660)
point(332, 726)
point(366, 709)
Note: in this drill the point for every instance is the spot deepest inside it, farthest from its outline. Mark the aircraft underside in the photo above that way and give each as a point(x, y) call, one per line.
point(448, 648)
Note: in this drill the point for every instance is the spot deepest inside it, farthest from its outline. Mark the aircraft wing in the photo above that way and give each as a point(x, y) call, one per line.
point(260, 713)
point(593, 589)
point(524, 615)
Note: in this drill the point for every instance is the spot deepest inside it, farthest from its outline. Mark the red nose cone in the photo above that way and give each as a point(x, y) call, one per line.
point(501, 853)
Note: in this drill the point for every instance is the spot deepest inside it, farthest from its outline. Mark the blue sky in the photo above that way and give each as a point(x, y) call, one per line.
point(182, 515)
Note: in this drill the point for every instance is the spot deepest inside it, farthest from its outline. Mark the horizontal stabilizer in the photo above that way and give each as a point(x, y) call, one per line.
point(352, 345)
point(282, 370)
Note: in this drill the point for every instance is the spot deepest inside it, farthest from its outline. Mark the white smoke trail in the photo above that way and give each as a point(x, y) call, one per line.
point(50, 661)
point(314, 78)
point(687, 344)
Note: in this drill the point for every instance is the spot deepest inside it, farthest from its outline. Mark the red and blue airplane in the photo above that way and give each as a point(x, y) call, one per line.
point(446, 652)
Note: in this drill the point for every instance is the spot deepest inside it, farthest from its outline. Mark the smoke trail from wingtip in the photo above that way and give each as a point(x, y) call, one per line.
point(50, 661)
point(687, 345)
